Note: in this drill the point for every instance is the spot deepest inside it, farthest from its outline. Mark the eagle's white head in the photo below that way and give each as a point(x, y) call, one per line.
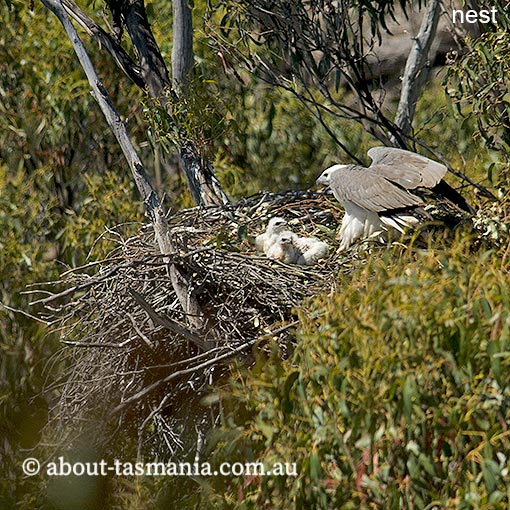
point(276, 225)
point(325, 177)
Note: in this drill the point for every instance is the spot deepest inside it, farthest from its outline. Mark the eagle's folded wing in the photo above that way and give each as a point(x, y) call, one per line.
point(370, 190)
point(407, 169)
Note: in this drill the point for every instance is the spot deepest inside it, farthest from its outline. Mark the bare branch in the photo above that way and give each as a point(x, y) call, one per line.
point(26, 314)
point(169, 323)
point(153, 67)
point(180, 373)
point(154, 208)
point(119, 55)
point(417, 68)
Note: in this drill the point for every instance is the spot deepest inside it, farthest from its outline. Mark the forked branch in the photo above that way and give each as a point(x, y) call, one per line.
point(154, 208)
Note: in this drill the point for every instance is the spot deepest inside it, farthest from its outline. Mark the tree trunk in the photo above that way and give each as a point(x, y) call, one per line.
point(151, 73)
point(417, 68)
point(182, 51)
point(202, 182)
point(154, 208)
point(154, 70)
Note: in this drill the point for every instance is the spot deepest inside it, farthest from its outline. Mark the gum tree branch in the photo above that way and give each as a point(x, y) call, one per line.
point(124, 62)
point(417, 68)
point(154, 208)
point(153, 67)
point(303, 45)
point(202, 183)
point(151, 73)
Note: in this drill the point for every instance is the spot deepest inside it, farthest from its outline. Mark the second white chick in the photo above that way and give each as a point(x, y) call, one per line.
point(283, 249)
point(311, 250)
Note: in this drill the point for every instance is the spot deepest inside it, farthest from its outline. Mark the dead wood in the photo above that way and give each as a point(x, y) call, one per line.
point(133, 349)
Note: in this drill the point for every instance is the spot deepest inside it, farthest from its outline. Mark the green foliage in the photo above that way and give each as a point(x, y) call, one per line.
point(276, 144)
point(237, 13)
point(37, 102)
point(397, 395)
point(196, 116)
point(56, 195)
point(456, 141)
point(83, 230)
point(35, 234)
point(25, 243)
point(477, 81)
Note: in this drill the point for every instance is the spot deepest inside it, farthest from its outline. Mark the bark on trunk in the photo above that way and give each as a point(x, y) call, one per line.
point(154, 70)
point(151, 73)
point(154, 208)
point(182, 50)
point(417, 68)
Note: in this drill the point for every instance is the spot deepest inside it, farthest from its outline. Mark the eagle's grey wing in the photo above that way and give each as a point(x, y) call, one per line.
point(406, 168)
point(370, 190)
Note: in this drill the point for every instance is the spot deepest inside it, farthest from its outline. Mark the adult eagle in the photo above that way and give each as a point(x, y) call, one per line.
point(386, 193)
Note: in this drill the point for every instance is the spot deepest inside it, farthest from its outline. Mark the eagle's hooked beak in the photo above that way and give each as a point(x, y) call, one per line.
point(322, 179)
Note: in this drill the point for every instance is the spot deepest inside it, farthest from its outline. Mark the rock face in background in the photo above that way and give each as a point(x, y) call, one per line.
point(388, 58)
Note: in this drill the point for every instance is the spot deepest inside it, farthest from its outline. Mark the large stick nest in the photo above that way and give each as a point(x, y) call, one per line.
point(133, 351)
point(134, 363)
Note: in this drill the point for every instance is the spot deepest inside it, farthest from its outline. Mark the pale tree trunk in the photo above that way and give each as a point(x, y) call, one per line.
point(202, 183)
point(417, 68)
point(182, 50)
point(199, 173)
point(154, 208)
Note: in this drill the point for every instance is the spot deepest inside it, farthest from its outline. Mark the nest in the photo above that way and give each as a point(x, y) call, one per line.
point(135, 363)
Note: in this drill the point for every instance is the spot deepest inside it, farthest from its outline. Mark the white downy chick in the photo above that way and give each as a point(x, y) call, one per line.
point(311, 249)
point(274, 228)
point(283, 249)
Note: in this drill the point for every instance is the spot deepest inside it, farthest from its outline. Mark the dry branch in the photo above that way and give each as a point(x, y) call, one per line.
point(104, 39)
point(132, 347)
point(417, 67)
point(153, 206)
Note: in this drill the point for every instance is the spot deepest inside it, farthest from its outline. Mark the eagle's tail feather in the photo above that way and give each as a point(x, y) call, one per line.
point(399, 221)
